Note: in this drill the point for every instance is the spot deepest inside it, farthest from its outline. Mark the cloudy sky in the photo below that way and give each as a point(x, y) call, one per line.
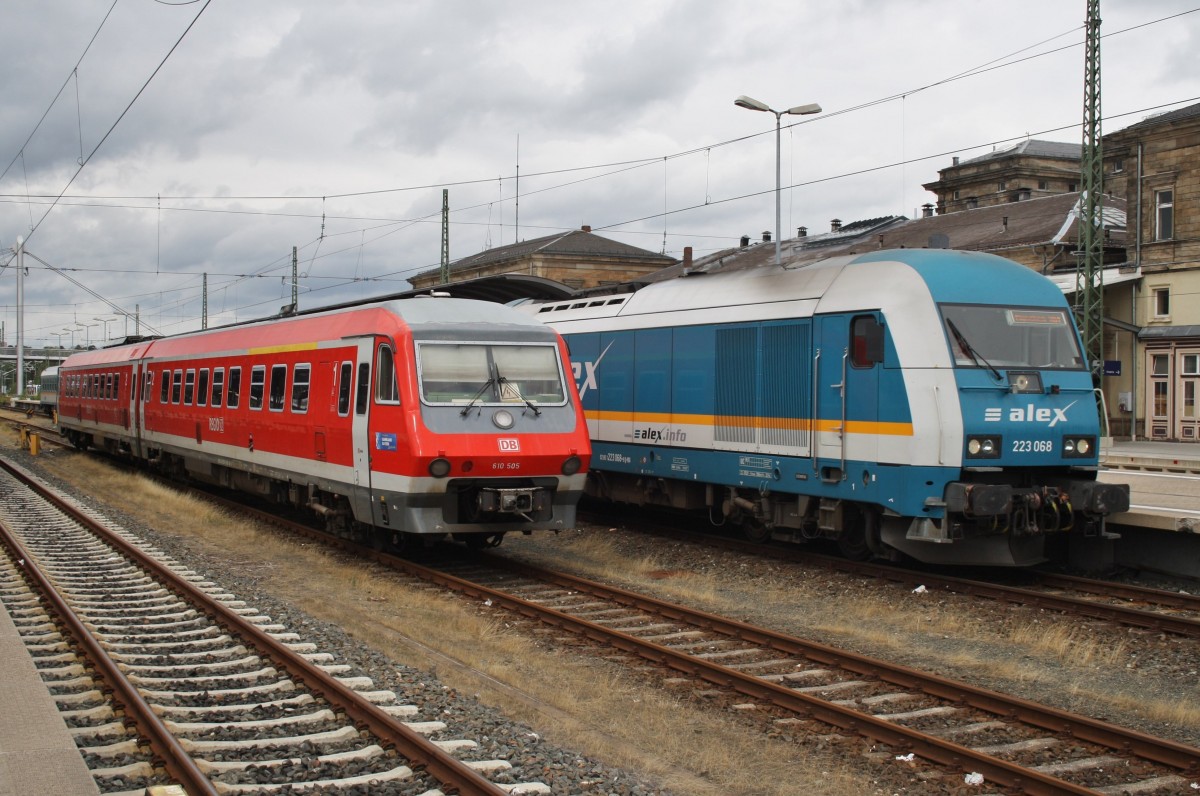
point(214, 135)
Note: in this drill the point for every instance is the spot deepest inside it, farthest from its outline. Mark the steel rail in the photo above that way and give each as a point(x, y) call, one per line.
point(176, 761)
point(418, 750)
point(1016, 595)
point(1184, 758)
point(1180, 756)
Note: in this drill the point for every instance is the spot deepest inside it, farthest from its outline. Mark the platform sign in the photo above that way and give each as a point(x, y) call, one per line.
point(1112, 367)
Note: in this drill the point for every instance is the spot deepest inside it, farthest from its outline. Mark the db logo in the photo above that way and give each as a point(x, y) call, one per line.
point(510, 445)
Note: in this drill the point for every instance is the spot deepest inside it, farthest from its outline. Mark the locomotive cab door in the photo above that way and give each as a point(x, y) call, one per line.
point(364, 508)
point(848, 354)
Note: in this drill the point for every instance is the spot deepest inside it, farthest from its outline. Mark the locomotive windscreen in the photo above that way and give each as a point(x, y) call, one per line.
point(1011, 337)
point(453, 373)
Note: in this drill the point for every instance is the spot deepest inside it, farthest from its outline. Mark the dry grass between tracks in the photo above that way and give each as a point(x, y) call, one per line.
point(595, 706)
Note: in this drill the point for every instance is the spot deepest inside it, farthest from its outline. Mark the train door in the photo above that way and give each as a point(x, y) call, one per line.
point(137, 374)
point(364, 507)
point(847, 358)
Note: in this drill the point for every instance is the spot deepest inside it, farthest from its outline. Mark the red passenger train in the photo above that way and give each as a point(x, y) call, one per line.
point(395, 421)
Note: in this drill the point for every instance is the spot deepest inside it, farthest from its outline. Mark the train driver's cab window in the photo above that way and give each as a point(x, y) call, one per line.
point(866, 341)
point(345, 385)
point(148, 387)
point(278, 387)
point(258, 381)
point(995, 338)
point(474, 373)
point(234, 395)
point(300, 379)
point(386, 391)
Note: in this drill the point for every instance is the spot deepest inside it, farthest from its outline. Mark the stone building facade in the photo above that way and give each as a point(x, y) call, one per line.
point(1155, 166)
point(1026, 170)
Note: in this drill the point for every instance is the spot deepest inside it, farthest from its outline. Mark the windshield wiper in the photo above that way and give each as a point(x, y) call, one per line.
point(970, 351)
point(475, 398)
point(502, 381)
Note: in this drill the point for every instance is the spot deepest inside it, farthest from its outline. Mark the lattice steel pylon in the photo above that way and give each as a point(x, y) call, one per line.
point(445, 269)
point(1089, 296)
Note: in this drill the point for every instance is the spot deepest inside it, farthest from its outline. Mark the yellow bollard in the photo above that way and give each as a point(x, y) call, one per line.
point(24, 438)
point(35, 444)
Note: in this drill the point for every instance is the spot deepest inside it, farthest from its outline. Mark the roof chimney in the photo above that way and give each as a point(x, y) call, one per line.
point(802, 232)
point(835, 225)
point(586, 228)
point(687, 257)
point(745, 241)
point(927, 210)
point(766, 236)
point(954, 161)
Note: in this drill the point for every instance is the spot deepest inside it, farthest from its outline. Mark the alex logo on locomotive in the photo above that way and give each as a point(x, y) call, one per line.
point(1051, 415)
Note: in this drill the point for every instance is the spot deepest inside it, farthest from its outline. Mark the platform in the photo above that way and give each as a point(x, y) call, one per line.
point(37, 752)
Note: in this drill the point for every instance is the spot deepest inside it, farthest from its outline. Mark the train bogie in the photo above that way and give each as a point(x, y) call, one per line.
point(394, 421)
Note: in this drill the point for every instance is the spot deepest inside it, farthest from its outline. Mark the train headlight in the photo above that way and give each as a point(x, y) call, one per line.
point(439, 468)
point(1025, 382)
point(983, 447)
point(571, 465)
point(503, 418)
point(1078, 447)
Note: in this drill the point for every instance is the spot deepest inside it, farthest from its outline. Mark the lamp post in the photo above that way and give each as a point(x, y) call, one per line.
point(87, 334)
point(106, 322)
point(59, 335)
point(800, 110)
point(73, 330)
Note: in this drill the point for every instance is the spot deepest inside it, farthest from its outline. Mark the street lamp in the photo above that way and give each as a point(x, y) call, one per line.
point(73, 330)
point(59, 335)
point(106, 322)
point(800, 110)
point(87, 335)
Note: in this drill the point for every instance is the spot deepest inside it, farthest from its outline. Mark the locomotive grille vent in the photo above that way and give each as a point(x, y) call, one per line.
point(762, 386)
point(736, 385)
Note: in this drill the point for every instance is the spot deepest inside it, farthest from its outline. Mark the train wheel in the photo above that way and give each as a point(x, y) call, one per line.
point(756, 530)
point(855, 541)
point(480, 541)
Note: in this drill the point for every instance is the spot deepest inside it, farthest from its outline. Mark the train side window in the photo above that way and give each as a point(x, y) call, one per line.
point(96, 382)
point(165, 391)
point(345, 382)
point(218, 387)
point(116, 390)
point(362, 388)
point(866, 341)
point(258, 379)
point(202, 388)
point(176, 386)
point(189, 387)
point(278, 387)
point(386, 391)
point(234, 394)
point(300, 378)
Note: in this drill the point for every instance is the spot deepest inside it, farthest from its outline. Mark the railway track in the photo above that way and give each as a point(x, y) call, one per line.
point(981, 735)
point(1011, 742)
point(164, 678)
point(1126, 604)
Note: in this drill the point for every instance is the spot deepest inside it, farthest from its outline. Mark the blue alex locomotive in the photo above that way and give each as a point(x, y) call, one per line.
point(933, 403)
